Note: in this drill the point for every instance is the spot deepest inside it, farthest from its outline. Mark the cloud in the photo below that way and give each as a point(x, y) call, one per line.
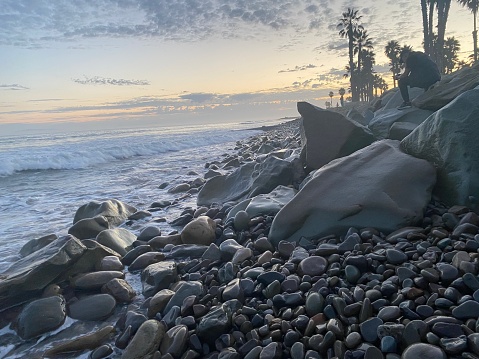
point(199, 97)
point(299, 68)
point(96, 80)
point(14, 87)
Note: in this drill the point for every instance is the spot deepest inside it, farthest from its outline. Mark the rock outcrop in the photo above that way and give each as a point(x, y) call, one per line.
point(327, 135)
point(449, 140)
point(378, 186)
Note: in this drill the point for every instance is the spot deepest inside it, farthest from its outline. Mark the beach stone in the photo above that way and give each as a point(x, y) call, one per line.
point(352, 340)
point(94, 307)
point(145, 259)
point(452, 125)
point(229, 353)
point(160, 242)
point(41, 316)
point(158, 276)
point(247, 181)
point(31, 274)
point(120, 290)
point(318, 129)
point(183, 290)
point(297, 351)
point(468, 309)
point(312, 266)
point(374, 353)
point(384, 202)
point(395, 256)
point(118, 239)
point(159, 301)
point(454, 345)
point(88, 341)
point(95, 280)
point(89, 227)
point(262, 244)
point(423, 351)
point(148, 233)
point(271, 351)
point(111, 263)
point(449, 330)
point(267, 278)
point(241, 220)
point(369, 329)
point(128, 258)
point(352, 273)
point(146, 341)
point(314, 303)
point(35, 244)
point(175, 340)
point(241, 255)
point(200, 230)
point(389, 313)
point(114, 211)
point(213, 252)
point(216, 322)
point(473, 341)
point(230, 247)
point(101, 352)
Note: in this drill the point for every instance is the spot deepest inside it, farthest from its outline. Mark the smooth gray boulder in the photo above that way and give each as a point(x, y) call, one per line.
point(41, 316)
point(378, 186)
point(118, 239)
point(89, 228)
point(146, 341)
point(113, 210)
point(35, 244)
point(93, 307)
point(31, 274)
point(250, 180)
point(392, 99)
point(266, 204)
point(382, 123)
point(449, 140)
point(158, 276)
point(327, 135)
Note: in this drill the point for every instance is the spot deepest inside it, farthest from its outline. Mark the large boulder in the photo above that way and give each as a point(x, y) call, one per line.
point(382, 123)
point(113, 210)
point(31, 274)
point(146, 341)
point(266, 204)
point(249, 180)
point(327, 135)
point(118, 239)
point(158, 276)
point(41, 316)
point(88, 228)
point(93, 307)
point(449, 88)
point(392, 99)
point(201, 230)
point(378, 186)
point(449, 140)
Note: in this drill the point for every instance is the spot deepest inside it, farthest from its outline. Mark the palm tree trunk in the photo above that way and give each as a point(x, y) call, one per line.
point(474, 36)
point(425, 27)
point(432, 50)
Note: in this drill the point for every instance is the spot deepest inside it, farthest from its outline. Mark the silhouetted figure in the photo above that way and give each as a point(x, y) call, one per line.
point(420, 71)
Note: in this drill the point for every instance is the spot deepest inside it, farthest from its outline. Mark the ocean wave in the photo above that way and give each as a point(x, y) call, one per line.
point(54, 154)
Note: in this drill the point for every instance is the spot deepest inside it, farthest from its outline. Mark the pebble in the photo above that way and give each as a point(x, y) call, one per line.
point(423, 351)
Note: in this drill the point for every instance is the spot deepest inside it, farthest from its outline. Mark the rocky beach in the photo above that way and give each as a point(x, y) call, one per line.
point(349, 233)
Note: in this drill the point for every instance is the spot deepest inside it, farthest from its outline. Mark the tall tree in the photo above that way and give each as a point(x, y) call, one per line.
point(443, 7)
point(362, 41)
point(331, 94)
point(367, 75)
point(392, 51)
point(348, 25)
point(451, 49)
point(472, 5)
point(341, 92)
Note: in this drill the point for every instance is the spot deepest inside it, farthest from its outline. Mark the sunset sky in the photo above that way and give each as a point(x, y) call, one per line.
point(144, 62)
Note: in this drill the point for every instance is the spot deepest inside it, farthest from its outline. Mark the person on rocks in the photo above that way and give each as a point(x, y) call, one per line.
point(420, 71)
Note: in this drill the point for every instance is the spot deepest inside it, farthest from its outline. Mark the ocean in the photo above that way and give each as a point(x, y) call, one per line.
point(46, 177)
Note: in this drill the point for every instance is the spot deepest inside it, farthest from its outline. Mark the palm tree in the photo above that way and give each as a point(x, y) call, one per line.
point(472, 5)
point(443, 7)
point(341, 92)
point(348, 25)
point(392, 51)
point(361, 41)
point(366, 75)
point(451, 49)
point(331, 94)
point(427, 9)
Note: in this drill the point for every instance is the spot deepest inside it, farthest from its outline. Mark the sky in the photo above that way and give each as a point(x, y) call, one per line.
point(117, 63)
